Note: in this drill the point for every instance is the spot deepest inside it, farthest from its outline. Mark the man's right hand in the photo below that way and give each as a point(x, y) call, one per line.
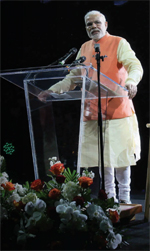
point(43, 95)
point(132, 90)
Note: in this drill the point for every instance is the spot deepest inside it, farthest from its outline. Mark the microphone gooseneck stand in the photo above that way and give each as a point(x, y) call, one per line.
point(59, 62)
point(100, 133)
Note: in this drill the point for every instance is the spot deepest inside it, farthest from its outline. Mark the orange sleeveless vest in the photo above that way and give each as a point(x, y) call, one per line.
point(116, 107)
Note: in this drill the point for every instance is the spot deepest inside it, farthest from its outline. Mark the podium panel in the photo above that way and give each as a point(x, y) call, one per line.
point(41, 115)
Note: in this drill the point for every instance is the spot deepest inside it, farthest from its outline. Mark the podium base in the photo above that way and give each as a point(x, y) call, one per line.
point(128, 211)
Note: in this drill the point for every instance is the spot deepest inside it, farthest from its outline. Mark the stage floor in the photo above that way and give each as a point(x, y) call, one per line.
point(138, 230)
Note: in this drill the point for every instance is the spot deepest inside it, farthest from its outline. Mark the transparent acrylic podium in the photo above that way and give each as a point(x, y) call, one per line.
point(73, 83)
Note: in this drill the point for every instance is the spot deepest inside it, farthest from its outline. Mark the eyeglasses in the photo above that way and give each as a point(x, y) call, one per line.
point(89, 24)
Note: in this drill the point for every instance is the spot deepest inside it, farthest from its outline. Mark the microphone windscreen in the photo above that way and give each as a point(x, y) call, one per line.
point(97, 47)
point(73, 50)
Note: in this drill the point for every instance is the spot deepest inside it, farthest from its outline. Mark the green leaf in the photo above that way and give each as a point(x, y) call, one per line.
point(3, 193)
point(32, 235)
point(21, 232)
point(21, 239)
point(51, 184)
point(31, 222)
point(68, 169)
point(26, 185)
point(21, 224)
point(50, 175)
point(70, 176)
point(37, 216)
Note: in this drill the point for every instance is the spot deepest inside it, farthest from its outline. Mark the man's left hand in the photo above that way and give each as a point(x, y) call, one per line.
point(132, 90)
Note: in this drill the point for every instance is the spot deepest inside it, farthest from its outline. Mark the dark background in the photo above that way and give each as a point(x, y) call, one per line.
point(35, 34)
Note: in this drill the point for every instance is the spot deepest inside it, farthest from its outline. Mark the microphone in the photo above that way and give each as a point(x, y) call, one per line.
point(97, 47)
point(78, 61)
point(61, 60)
point(68, 55)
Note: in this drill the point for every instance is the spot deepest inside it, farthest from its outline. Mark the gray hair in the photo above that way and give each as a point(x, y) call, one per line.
point(92, 12)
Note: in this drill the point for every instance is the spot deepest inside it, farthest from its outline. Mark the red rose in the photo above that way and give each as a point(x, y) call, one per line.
point(113, 216)
point(18, 205)
point(85, 181)
point(60, 178)
point(102, 195)
point(37, 185)
point(57, 168)
point(8, 186)
point(79, 200)
point(54, 193)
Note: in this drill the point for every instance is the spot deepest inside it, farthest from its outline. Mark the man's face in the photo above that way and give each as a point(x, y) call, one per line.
point(96, 26)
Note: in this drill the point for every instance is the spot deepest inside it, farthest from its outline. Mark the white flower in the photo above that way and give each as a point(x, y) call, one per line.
point(73, 205)
point(95, 211)
point(5, 174)
point(86, 173)
point(66, 217)
point(53, 161)
point(114, 241)
point(60, 202)
point(70, 216)
point(29, 208)
point(106, 224)
point(70, 190)
point(91, 175)
point(65, 212)
point(13, 197)
point(83, 217)
point(54, 158)
point(76, 213)
point(29, 197)
point(69, 210)
point(40, 205)
point(3, 180)
point(20, 189)
point(61, 209)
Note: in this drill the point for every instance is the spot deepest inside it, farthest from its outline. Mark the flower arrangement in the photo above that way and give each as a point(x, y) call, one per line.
point(59, 214)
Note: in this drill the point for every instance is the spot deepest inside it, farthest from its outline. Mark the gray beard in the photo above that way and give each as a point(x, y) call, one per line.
point(97, 36)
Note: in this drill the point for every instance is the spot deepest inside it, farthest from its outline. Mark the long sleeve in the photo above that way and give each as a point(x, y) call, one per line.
point(127, 57)
point(65, 85)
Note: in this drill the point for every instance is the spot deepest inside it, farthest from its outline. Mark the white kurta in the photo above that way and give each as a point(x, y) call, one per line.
point(121, 141)
point(121, 137)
